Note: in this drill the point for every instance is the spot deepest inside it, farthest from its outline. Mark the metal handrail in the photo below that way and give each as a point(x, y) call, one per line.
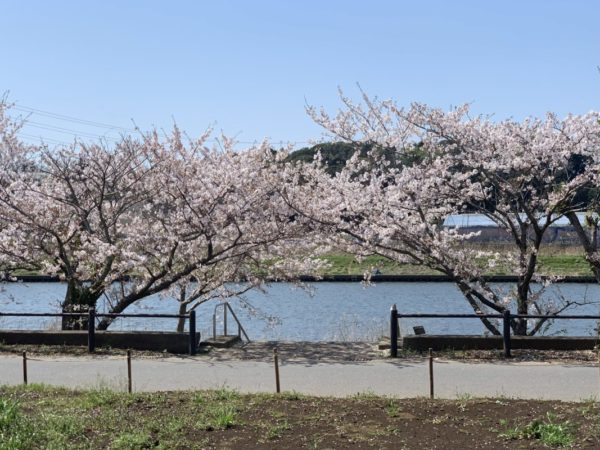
point(506, 317)
point(86, 313)
point(92, 315)
point(226, 306)
point(452, 316)
point(496, 316)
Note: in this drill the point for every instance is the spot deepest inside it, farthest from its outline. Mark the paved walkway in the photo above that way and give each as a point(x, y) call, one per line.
point(400, 378)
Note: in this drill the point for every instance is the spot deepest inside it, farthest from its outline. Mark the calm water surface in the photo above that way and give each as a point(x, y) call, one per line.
point(335, 311)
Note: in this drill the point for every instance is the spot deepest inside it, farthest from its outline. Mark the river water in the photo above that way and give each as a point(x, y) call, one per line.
point(334, 311)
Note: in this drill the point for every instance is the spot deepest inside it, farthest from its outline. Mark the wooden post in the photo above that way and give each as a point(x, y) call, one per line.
point(225, 319)
point(394, 332)
point(506, 333)
point(430, 373)
point(91, 326)
point(129, 383)
point(276, 361)
point(25, 368)
point(193, 344)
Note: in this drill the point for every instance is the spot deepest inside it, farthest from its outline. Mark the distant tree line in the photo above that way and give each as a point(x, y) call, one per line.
point(335, 155)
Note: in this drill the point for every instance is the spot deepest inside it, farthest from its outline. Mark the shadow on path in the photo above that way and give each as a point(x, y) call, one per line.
point(300, 352)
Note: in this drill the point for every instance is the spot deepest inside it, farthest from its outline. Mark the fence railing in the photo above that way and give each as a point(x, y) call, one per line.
point(506, 317)
point(91, 315)
point(226, 306)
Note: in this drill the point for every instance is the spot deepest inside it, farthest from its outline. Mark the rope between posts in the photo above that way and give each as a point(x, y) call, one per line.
point(59, 360)
point(103, 359)
point(186, 361)
point(27, 359)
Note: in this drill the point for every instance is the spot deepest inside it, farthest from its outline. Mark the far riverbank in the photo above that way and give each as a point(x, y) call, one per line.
point(381, 278)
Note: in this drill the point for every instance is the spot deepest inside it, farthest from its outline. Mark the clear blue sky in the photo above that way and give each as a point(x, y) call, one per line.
point(249, 66)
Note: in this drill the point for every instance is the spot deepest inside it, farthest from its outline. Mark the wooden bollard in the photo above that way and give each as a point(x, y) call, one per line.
point(431, 373)
point(129, 383)
point(276, 362)
point(25, 368)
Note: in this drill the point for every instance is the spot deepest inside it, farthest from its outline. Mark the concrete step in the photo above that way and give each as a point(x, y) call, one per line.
point(384, 343)
point(221, 341)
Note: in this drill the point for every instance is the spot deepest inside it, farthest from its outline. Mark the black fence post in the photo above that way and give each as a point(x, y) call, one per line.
point(506, 333)
point(25, 368)
point(91, 326)
point(193, 343)
point(394, 332)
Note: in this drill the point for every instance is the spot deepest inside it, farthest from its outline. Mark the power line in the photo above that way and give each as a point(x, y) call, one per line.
point(77, 133)
point(41, 139)
point(71, 118)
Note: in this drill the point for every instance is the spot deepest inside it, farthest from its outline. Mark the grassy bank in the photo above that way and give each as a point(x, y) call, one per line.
point(43, 417)
point(553, 261)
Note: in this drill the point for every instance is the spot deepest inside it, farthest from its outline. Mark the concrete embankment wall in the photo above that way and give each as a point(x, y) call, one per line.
point(137, 340)
point(458, 342)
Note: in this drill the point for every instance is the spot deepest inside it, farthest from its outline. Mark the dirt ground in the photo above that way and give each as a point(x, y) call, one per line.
point(404, 424)
point(57, 418)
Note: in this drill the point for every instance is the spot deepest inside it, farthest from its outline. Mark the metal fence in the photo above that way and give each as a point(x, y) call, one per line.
point(91, 316)
point(506, 317)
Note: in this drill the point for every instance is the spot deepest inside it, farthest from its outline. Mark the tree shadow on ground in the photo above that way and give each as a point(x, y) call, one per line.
point(300, 352)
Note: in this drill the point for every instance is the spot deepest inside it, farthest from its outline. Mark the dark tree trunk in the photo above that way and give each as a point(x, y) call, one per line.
point(520, 325)
point(78, 299)
point(181, 320)
point(588, 242)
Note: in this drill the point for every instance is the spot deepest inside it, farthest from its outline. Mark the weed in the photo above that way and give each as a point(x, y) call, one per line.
point(314, 442)
point(276, 430)
point(392, 430)
point(365, 395)
point(9, 414)
point(463, 401)
point(392, 409)
point(40, 387)
point(224, 417)
point(220, 395)
point(218, 417)
point(440, 419)
point(132, 441)
point(589, 408)
point(100, 397)
point(15, 432)
point(293, 395)
point(277, 415)
point(200, 398)
point(61, 427)
point(174, 425)
point(549, 432)
point(225, 394)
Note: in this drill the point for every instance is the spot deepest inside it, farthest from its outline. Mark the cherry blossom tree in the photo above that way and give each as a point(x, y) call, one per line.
point(135, 219)
point(13, 160)
point(518, 174)
point(523, 176)
point(214, 221)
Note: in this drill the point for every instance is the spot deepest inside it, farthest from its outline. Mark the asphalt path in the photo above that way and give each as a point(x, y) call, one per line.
point(400, 378)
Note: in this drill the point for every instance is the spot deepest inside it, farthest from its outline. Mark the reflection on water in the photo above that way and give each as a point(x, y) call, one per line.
point(335, 311)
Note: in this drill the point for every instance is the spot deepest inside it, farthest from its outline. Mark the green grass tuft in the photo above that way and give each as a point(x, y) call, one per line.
point(549, 432)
